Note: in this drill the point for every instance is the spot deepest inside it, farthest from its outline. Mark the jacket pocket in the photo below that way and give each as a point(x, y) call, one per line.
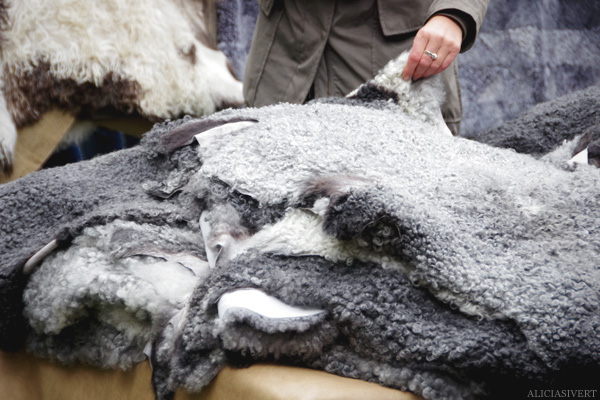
point(401, 17)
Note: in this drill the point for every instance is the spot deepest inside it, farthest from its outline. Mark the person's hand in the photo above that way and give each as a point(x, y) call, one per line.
point(434, 48)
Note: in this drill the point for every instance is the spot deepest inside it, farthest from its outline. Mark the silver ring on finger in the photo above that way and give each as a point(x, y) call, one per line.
point(433, 56)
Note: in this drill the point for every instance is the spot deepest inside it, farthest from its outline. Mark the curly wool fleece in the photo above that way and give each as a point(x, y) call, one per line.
point(444, 266)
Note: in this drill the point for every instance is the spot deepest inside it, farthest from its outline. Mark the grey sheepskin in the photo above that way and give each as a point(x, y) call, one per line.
point(441, 265)
point(60, 203)
point(547, 126)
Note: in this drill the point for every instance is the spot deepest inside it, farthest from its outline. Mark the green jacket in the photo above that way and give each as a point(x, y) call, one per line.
point(327, 48)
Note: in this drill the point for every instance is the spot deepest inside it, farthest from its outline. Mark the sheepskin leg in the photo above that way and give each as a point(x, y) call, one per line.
point(324, 191)
point(223, 234)
point(37, 258)
point(348, 213)
point(185, 134)
point(421, 99)
point(8, 138)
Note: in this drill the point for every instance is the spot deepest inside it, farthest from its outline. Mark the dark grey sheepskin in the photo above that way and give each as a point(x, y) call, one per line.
point(547, 126)
point(60, 203)
point(443, 266)
point(378, 327)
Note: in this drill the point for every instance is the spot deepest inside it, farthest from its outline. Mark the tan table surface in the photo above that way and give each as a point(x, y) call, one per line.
point(25, 377)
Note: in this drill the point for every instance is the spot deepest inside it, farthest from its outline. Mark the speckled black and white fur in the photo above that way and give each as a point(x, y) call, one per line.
point(443, 266)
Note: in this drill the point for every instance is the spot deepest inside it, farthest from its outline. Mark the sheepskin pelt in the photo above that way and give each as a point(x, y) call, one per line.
point(152, 57)
point(571, 121)
point(440, 265)
point(69, 199)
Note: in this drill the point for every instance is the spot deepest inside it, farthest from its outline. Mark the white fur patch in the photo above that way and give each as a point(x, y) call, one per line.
point(261, 303)
point(8, 136)
point(579, 158)
point(300, 233)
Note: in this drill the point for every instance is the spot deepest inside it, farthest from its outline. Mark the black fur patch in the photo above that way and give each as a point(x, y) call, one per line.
point(370, 92)
point(591, 134)
point(594, 153)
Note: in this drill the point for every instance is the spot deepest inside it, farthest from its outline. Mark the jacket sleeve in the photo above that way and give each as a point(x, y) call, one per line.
point(469, 12)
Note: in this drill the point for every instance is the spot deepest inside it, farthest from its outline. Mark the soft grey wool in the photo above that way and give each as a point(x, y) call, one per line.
point(126, 294)
point(381, 318)
point(546, 126)
point(59, 203)
point(444, 266)
point(499, 235)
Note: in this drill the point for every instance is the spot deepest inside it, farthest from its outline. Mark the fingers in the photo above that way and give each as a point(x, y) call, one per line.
point(445, 56)
point(427, 63)
point(415, 56)
point(442, 37)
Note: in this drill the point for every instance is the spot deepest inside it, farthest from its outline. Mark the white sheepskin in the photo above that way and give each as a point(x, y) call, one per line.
point(143, 41)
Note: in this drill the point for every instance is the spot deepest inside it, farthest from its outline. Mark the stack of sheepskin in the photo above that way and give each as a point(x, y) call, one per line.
point(425, 262)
